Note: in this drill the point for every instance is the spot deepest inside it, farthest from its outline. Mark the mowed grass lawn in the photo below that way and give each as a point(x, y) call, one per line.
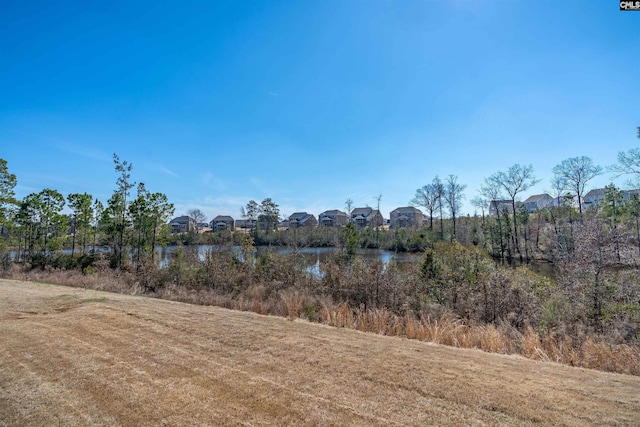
point(72, 357)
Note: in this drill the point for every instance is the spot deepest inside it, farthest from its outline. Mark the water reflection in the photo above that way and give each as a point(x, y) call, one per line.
point(544, 268)
point(313, 257)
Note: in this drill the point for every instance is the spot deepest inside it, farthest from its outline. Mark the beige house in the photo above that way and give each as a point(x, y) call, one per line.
point(405, 217)
point(538, 201)
point(594, 197)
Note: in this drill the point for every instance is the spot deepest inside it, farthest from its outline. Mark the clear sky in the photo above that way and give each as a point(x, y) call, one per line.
point(311, 102)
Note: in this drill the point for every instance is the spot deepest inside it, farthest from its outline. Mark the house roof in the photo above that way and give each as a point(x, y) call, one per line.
point(407, 210)
point(333, 212)
point(535, 198)
point(596, 193)
point(222, 218)
point(184, 219)
point(307, 218)
point(298, 216)
point(361, 211)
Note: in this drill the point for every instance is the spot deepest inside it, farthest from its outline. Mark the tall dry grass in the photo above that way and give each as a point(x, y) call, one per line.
point(292, 303)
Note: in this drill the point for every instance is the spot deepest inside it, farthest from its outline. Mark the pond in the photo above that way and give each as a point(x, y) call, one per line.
point(314, 257)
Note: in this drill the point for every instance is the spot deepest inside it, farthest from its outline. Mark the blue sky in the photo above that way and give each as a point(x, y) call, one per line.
point(311, 102)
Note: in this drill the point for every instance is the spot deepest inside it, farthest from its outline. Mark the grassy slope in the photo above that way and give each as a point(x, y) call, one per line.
point(75, 357)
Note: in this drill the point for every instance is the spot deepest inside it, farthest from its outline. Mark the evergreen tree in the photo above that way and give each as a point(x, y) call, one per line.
point(7, 201)
point(80, 205)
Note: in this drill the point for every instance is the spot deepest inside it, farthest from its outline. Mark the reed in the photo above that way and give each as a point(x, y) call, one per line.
point(294, 298)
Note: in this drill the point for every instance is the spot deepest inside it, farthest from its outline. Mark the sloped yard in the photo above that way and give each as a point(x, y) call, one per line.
point(75, 358)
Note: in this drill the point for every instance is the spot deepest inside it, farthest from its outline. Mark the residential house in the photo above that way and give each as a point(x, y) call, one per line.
point(405, 217)
point(333, 218)
point(594, 197)
point(500, 205)
point(302, 219)
point(182, 224)
point(538, 201)
point(626, 195)
point(364, 217)
point(222, 222)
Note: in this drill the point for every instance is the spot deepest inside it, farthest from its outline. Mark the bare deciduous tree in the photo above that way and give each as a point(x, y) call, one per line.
point(453, 195)
point(628, 164)
point(491, 191)
point(516, 179)
point(426, 197)
point(348, 204)
point(439, 190)
point(558, 187)
point(482, 204)
point(575, 173)
point(594, 255)
point(197, 216)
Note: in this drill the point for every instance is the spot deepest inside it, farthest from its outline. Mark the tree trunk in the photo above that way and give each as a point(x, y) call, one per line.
point(500, 234)
point(638, 239)
point(73, 240)
point(153, 242)
point(538, 232)
point(441, 225)
point(515, 228)
point(19, 244)
point(453, 236)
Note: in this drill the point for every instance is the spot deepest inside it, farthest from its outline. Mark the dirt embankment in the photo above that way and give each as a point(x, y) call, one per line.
point(75, 358)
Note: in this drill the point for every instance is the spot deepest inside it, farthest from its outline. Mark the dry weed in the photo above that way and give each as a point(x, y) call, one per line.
point(294, 301)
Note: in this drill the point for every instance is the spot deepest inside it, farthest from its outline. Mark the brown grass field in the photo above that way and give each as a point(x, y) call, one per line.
point(75, 357)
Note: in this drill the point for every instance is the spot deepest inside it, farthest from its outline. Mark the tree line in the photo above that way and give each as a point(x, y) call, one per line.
point(135, 223)
point(507, 231)
point(130, 225)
